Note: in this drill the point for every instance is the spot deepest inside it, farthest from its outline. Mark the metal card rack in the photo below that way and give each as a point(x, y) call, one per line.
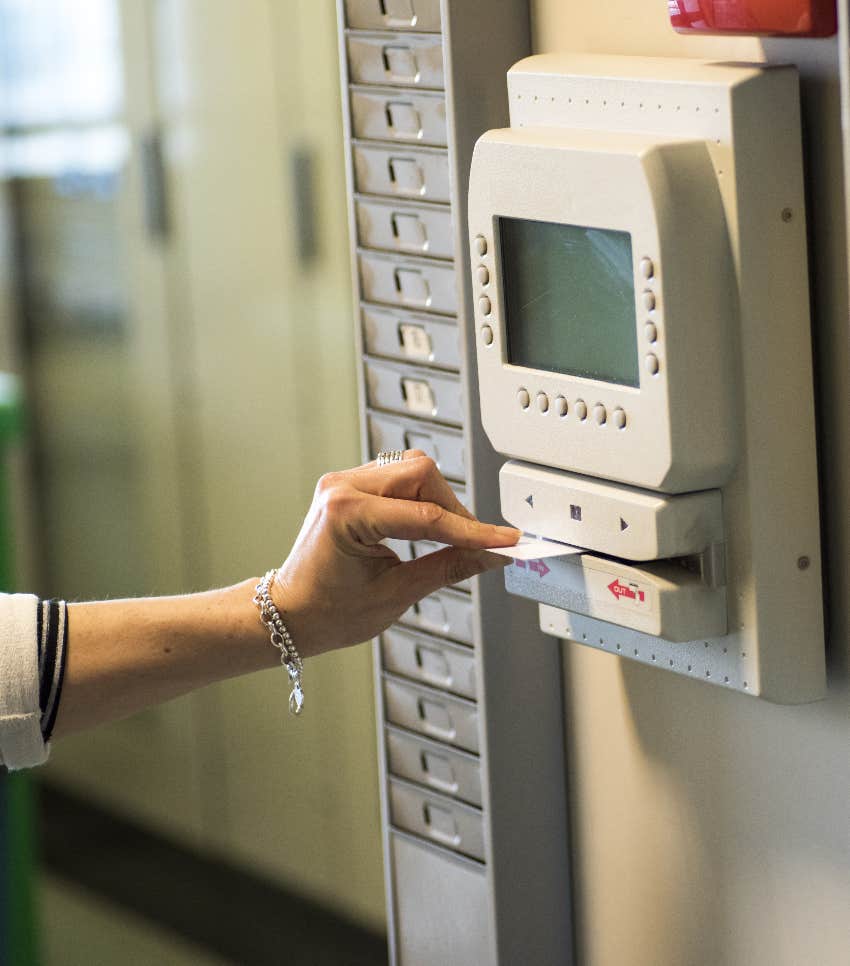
point(468, 691)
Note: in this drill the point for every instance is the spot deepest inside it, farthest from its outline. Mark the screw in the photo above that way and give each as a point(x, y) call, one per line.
point(787, 214)
point(803, 563)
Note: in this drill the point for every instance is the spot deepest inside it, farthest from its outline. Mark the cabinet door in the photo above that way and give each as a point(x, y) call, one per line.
point(99, 343)
point(261, 214)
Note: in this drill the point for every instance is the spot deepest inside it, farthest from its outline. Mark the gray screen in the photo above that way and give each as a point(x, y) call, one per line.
point(570, 300)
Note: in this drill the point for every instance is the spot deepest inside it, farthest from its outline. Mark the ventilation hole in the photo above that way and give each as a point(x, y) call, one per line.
point(708, 674)
point(619, 647)
point(584, 637)
point(743, 653)
point(602, 641)
point(535, 97)
point(641, 105)
point(552, 99)
point(659, 107)
point(605, 103)
point(725, 678)
point(725, 650)
point(706, 643)
point(720, 172)
point(717, 140)
point(653, 657)
point(587, 100)
point(622, 103)
point(636, 652)
point(745, 684)
point(671, 663)
point(678, 107)
point(697, 110)
point(690, 668)
point(717, 111)
point(519, 97)
point(569, 100)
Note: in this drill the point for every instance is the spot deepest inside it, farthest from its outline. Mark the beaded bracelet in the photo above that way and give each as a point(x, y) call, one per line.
point(281, 639)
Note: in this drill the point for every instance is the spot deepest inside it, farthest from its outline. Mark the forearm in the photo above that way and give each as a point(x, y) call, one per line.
point(126, 655)
point(339, 585)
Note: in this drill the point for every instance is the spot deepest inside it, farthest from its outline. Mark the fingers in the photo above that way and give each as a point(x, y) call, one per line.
point(414, 520)
point(416, 477)
point(410, 582)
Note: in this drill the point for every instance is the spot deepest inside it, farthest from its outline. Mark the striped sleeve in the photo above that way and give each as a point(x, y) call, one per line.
point(33, 648)
point(52, 647)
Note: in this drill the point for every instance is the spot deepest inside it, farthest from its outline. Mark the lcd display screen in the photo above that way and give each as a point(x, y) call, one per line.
point(570, 300)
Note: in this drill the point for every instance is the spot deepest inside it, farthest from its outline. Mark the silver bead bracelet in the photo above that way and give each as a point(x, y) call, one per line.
point(281, 639)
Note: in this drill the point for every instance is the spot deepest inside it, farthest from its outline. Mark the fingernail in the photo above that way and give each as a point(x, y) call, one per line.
point(510, 532)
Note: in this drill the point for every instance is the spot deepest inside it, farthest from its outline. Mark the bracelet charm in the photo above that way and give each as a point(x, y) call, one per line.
point(281, 639)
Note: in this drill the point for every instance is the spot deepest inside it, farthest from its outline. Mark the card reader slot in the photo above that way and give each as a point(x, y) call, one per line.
point(429, 660)
point(419, 15)
point(432, 713)
point(383, 170)
point(706, 566)
point(670, 599)
point(412, 337)
point(391, 59)
point(414, 391)
point(443, 769)
point(400, 227)
point(405, 116)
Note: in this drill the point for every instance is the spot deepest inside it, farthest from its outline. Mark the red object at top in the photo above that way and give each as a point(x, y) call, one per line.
point(797, 18)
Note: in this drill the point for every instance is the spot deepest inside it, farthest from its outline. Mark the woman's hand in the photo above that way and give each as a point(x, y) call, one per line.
point(340, 585)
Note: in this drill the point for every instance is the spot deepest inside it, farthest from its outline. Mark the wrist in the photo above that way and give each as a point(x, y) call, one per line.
point(247, 627)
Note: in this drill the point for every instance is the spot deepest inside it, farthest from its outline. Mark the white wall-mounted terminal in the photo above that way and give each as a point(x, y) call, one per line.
point(644, 357)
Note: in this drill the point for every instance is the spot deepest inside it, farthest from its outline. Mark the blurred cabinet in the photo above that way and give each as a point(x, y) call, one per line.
point(251, 109)
point(188, 330)
point(92, 331)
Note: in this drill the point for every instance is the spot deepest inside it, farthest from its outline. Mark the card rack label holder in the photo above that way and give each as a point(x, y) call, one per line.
point(414, 103)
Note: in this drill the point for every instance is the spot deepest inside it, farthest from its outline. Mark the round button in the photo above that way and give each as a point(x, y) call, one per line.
point(486, 335)
point(543, 402)
point(647, 269)
point(600, 414)
point(561, 407)
point(647, 299)
point(652, 365)
point(482, 275)
point(523, 398)
point(651, 332)
point(618, 417)
point(481, 245)
point(485, 305)
point(581, 409)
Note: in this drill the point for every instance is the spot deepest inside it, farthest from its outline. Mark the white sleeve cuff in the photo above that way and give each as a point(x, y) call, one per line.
point(21, 741)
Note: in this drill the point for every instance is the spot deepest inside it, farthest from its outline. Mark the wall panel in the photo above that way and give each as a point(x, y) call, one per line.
point(710, 828)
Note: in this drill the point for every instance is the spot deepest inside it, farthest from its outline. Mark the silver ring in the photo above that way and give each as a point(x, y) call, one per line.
point(387, 456)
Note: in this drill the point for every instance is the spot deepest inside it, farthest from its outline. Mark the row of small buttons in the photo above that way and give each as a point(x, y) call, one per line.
point(482, 276)
point(560, 406)
point(650, 330)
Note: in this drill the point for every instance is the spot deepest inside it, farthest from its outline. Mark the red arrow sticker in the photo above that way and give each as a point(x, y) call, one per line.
point(629, 591)
point(539, 567)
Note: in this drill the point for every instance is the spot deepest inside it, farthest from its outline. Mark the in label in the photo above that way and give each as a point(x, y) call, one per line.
point(419, 397)
point(415, 341)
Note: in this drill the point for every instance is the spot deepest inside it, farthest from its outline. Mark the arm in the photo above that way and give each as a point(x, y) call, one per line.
point(339, 585)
